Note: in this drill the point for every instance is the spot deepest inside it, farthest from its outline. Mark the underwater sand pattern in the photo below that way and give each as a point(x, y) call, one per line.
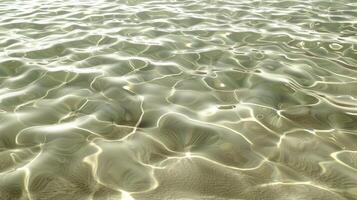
point(178, 100)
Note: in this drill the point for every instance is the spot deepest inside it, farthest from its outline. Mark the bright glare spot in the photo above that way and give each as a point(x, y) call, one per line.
point(59, 127)
point(210, 111)
point(188, 154)
point(126, 196)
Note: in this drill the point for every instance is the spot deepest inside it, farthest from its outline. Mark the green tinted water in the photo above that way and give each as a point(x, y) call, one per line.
point(178, 99)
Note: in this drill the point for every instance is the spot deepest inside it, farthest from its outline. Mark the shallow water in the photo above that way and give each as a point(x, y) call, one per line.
point(191, 99)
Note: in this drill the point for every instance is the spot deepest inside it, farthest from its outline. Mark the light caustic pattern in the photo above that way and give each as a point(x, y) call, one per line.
point(191, 99)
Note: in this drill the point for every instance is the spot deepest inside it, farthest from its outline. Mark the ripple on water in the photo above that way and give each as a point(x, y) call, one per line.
point(144, 99)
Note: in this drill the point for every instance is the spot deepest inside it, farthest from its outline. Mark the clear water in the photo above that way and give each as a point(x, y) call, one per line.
point(178, 99)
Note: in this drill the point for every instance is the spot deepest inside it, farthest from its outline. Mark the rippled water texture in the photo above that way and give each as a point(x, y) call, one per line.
point(178, 99)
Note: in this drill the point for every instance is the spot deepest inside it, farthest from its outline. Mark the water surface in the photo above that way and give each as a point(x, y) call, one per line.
point(178, 99)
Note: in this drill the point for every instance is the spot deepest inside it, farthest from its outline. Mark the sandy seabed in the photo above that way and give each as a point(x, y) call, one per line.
point(178, 100)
